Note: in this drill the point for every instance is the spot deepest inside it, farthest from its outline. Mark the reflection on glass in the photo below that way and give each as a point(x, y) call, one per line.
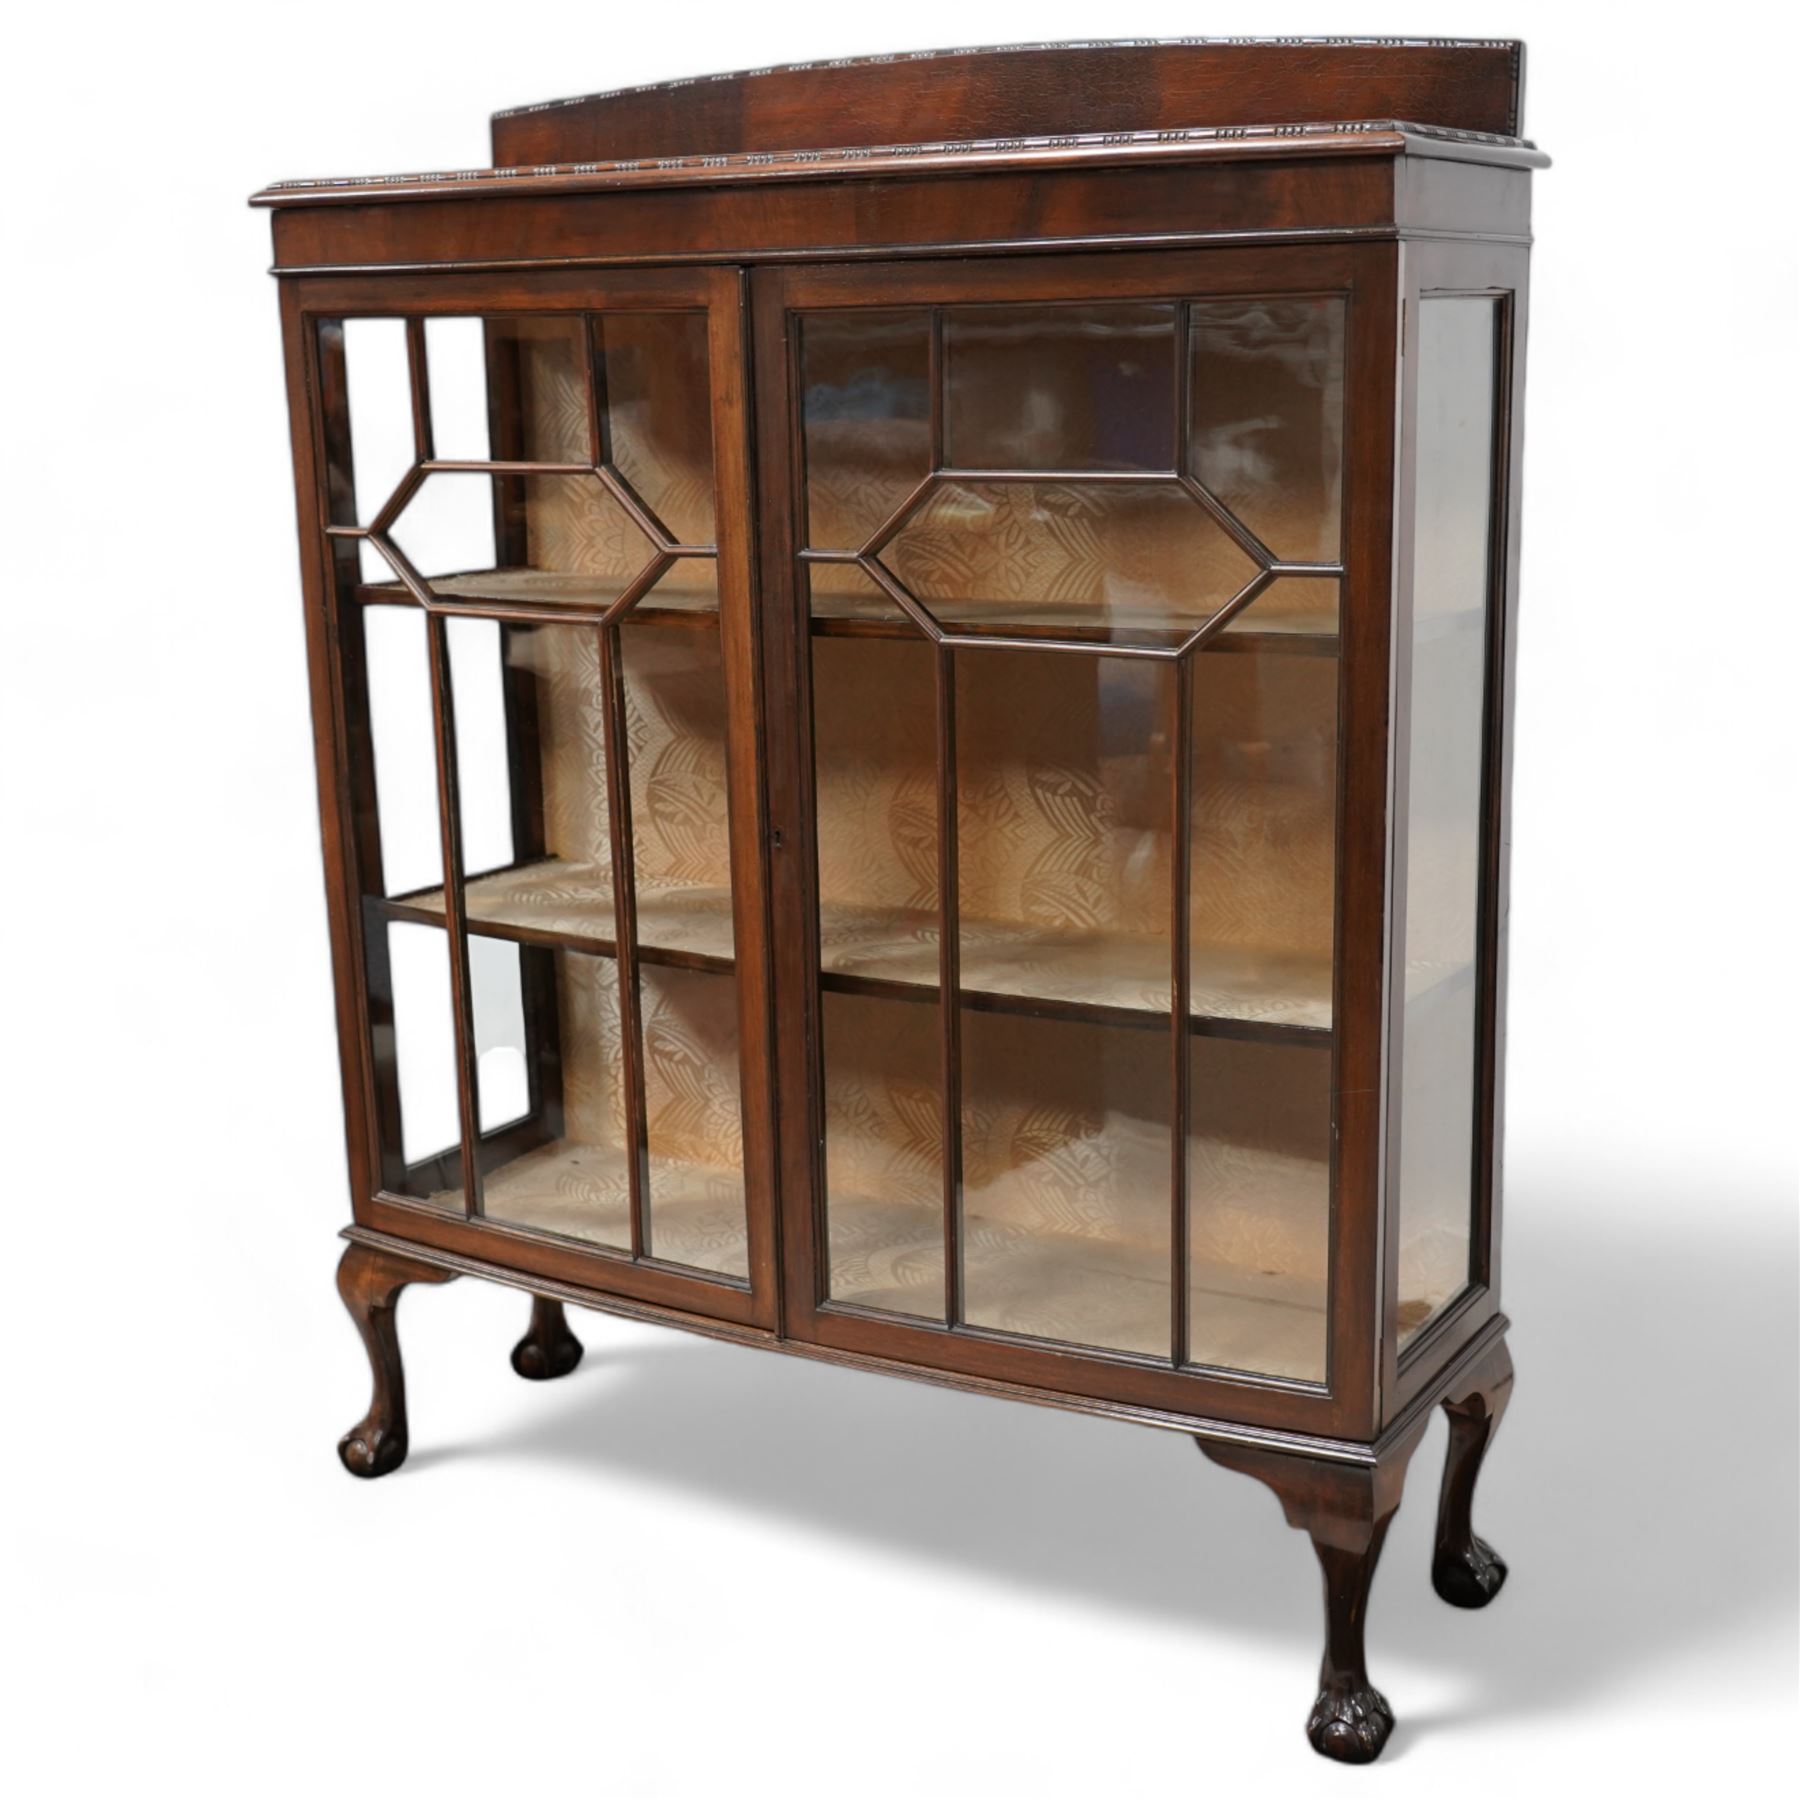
point(1120, 561)
point(659, 419)
point(1445, 761)
point(550, 1065)
point(1060, 387)
point(1264, 806)
point(884, 1139)
point(1064, 786)
point(497, 996)
point(410, 1008)
point(1259, 1207)
point(695, 1122)
point(403, 739)
point(866, 417)
point(1066, 1181)
point(1293, 607)
point(1267, 426)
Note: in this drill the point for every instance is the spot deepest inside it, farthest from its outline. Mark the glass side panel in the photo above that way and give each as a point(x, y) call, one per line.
point(1259, 1206)
point(866, 419)
point(1060, 387)
point(382, 450)
point(1457, 346)
point(1267, 421)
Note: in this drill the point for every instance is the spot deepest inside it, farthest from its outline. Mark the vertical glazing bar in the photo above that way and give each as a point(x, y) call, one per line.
point(419, 374)
point(631, 1033)
point(949, 922)
point(949, 981)
point(1181, 867)
point(598, 433)
point(1180, 1032)
point(443, 715)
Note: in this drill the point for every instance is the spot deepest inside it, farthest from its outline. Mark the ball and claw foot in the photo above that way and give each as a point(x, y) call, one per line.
point(368, 1451)
point(1350, 1723)
point(1469, 1578)
point(549, 1348)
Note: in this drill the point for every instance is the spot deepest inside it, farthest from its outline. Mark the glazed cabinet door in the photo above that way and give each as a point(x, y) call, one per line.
point(540, 773)
point(1084, 565)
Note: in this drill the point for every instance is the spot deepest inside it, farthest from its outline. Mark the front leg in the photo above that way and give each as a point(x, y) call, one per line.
point(1345, 1509)
point(548, 1348)
point(1464, 1568)
point(370, 1281)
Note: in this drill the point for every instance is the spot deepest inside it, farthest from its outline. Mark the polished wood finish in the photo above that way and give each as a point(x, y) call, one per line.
point(1346, 1512)
point(1036, 175)
point(370, 1281)
point(549, 1348)
point(1464, 1568)
point(1027, 90)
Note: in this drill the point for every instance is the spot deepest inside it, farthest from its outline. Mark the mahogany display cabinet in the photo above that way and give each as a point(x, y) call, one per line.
point(913, 738)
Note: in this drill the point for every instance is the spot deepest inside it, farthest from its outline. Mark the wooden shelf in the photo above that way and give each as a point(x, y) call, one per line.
point(582, 1191)
point(1110, 977)
point(664, 605)
point(888, 1256)
point(875, 616)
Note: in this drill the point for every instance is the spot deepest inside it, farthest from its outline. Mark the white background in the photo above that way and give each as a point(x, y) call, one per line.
point(693, 1570)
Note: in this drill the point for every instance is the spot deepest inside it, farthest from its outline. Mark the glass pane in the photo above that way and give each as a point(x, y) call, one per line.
point(847, 602)
point(1267, 428)
point(415, 1053)
point(512, 388)
point(1263, 883)
point(478, 687)
point(1066, 1181)
point(502, 1050)
point(659, 416)
point(1292, 607)
point(1259, 1206)
point(557, 1138)
point(1122, 562)
point(1060, 387)
point(681, 827)
point(380, 400)
point(696, 1136)
point(1064, 789)
point(1445, 762)
point(404, 744)
point(866, 417)
point(884, 1141)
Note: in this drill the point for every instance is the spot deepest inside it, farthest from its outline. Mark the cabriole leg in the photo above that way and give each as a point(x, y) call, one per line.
point(1345, 1509)
point(1464, 1569)
point(548, 1348)
point(370, 1281)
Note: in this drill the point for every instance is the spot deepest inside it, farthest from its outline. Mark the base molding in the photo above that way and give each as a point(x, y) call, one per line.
point(1351, 1452)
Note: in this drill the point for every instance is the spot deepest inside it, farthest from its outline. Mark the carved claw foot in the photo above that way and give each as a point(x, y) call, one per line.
point(370, 1281)
point(548, 1348)
point(367, 1450)
point(1468, 1577)
point(1349, 1723)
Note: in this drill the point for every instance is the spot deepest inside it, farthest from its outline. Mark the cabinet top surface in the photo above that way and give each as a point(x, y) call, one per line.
point(1020, 106)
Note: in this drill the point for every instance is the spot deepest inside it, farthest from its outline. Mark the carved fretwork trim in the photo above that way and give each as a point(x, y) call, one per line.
point(1389, 135)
